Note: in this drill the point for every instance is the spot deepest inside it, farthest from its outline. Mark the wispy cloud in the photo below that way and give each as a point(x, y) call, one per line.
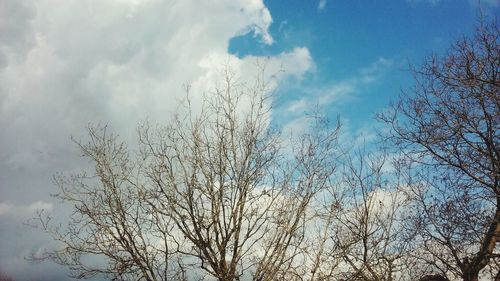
point(474, 3)
point(431, 2)
point(340, 91)
point(321, 5)
point(333, 96)
point(487, 3)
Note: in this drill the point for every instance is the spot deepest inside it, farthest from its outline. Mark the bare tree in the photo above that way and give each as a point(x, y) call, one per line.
point(448, 126)
point(223, 178)
point(212, 193)
point(110, 230)
point(365, 220)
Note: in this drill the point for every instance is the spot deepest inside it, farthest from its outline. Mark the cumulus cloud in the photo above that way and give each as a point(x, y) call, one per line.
point(16, 34)
point(64, 64)
point(114, 61)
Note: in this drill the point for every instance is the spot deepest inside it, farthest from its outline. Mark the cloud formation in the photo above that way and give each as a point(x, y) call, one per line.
point(64, 64)
point(334, 94)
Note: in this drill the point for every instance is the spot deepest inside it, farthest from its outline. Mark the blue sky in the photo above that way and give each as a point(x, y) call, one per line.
point(346, 38)
point(65, 64)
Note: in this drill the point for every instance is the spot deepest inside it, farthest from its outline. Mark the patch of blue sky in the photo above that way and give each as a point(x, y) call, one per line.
point(361, 49)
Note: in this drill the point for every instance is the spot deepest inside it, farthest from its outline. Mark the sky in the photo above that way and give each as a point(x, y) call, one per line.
point(65, 64)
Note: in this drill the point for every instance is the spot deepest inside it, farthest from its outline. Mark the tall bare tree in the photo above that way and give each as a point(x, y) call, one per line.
point(223, 178)
point(213, 193)
point(448, 126)
point(361, 220)
point(367, 228)
point(110, 230)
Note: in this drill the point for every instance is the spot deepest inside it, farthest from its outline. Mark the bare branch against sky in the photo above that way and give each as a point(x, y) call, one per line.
point(212, 149)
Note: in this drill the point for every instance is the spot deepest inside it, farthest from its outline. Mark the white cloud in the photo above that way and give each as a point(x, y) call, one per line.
point(24, 211)
point(16, 34)
point(288, 64)
point(64, 64)
point(321, 5)
point(114, 61)
point(336, 93)
point(5, 208)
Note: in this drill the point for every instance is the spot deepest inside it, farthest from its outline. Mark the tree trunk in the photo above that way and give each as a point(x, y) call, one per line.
point(471, 276)
point(482, 258)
